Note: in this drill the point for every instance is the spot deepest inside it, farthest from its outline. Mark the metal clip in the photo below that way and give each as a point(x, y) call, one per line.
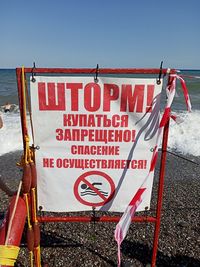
point(96, 74)
point(35, 147)
point(160, 73)
point(33, 73)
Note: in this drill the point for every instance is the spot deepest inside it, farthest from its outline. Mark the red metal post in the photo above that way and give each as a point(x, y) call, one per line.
point(93, 71)
point(160, 193)
point(21, 103)
point(92, 219)
point(19, 85)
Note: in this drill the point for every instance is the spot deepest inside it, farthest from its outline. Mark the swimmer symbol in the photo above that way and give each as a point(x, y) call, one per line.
point(91, 192)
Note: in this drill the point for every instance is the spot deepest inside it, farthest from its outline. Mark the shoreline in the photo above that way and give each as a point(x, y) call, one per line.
point(79, 244)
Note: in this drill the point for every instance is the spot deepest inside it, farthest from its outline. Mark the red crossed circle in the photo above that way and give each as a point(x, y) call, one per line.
point(83, 178)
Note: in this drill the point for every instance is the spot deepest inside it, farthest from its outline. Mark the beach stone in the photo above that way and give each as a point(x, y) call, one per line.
point(182, 224)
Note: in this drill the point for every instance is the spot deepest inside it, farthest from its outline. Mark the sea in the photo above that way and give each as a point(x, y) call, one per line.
point(183, 137)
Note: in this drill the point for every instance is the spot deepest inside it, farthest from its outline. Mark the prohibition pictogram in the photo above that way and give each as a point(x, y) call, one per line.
point(94, 188)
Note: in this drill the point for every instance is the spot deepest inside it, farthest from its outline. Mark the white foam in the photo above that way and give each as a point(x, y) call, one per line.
point(184, 137)
point(10, 133)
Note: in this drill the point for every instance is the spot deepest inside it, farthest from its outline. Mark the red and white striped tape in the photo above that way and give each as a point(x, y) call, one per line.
point(190, 76)
point(125, 221)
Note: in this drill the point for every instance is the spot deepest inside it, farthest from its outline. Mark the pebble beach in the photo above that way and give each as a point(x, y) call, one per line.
point(93, 244)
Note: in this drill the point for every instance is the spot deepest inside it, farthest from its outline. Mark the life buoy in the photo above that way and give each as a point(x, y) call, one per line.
point(17, 227)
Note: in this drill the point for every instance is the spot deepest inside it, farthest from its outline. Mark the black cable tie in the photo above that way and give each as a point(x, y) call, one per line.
point(33, 73)
point(160, 73)
point(96, 74)
point(35, 147)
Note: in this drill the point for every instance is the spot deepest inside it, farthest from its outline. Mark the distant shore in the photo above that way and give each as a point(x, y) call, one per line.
point(79, 244)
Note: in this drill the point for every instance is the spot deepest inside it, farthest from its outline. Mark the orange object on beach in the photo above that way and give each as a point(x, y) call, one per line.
point(17, 224)
point(10, 240)
point(30, 239)
point(33, 175)
point(26, 180)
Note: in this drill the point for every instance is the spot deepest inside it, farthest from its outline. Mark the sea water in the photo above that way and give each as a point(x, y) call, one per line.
point(183, 137)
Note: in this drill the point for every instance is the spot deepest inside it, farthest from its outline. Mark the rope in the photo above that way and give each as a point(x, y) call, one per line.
point(28, 211)
point(27, 152)
point(26, 156)
point(24, 95)
point(8, 254)
point(26, 137)
point(31, 258)
point(181, 157)
point(38, 253)
point(34, 206)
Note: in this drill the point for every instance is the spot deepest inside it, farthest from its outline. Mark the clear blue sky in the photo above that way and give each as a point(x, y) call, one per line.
point(112, 33)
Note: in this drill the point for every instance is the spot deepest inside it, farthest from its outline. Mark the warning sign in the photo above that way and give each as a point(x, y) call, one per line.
point(95, 140)
point(94, 188)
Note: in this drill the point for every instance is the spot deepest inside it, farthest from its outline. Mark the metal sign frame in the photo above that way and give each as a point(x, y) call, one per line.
point(150, 219)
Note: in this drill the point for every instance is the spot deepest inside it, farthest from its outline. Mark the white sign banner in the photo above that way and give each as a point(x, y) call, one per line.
point(95, 140)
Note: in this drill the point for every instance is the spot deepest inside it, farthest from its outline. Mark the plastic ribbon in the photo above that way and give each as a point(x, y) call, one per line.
point(125, 221)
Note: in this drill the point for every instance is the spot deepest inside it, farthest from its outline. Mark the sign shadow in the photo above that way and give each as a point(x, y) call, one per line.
point(150, 128)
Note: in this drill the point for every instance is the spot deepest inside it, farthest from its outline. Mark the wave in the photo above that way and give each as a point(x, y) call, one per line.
point(93, 193)
point(183, 137)
point(10, 133)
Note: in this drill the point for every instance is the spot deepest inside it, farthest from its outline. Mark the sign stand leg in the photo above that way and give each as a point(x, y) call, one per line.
point(160, 193)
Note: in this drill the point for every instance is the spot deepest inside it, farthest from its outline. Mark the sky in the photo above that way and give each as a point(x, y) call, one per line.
point(111, 33)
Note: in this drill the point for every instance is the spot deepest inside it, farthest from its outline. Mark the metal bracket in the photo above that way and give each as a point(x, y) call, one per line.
point(96, 74)
point(160, 73)
point(33, 73)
